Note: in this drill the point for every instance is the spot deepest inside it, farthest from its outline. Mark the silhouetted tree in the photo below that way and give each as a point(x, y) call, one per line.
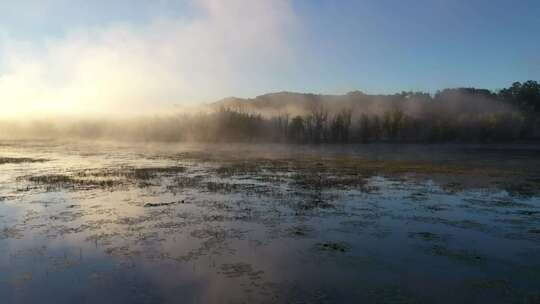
point(297, 130)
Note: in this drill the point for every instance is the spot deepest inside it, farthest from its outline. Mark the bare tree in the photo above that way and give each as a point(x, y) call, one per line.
point(320, 118)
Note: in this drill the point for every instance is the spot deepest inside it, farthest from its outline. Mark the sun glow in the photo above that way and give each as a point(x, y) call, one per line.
point(130, 69)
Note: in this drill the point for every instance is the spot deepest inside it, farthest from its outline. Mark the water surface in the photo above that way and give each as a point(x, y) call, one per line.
point(124, 223)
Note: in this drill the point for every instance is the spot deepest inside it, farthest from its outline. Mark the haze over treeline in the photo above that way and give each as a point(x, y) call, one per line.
point(450, 115)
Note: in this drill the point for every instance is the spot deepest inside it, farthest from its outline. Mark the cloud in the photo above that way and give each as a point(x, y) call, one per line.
point(137, 68)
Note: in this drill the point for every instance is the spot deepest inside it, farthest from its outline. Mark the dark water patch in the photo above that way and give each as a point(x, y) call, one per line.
point(237, 270)
point(500, 285)
point(134, 221)
point(54, 231)
point(217, 233)
point(4, 198)
point(495, 290)
point(333, 247)
point(312, 203)
point(494, 203)
point(299, 231)
point(330, 181)
point(528, 212)
point(463, 224)
point(428, 236)
point(164, 204)
point(418, 196)
point(437, 207)
point(67, 216)
point(393, 294)
point(208, 218)
point(12, 232)
point(222, 187)
point(215, 242)
point(198, 155)
point(522, 189)
point(453, 187)
point(181, 182)
point(123, 251)
point(461, 255)
point(144, 173)
point(246, 189)
point(102, 239)
point(358, 224)
point(239, 169)
point(173, 226)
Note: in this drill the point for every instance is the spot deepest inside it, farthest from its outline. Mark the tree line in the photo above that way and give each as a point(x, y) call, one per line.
point(450, 115)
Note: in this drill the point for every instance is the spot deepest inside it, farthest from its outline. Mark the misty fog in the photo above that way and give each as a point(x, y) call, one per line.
point(451, 115)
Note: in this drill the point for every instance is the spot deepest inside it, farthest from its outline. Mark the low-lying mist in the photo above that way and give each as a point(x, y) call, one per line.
point(451, 115)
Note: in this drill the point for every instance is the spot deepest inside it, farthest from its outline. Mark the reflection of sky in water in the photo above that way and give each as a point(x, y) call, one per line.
point(258, 236)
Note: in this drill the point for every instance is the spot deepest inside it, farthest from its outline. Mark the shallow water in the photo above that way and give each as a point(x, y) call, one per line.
point(89, 222)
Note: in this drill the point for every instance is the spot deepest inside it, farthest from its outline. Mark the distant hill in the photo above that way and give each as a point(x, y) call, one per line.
point(301, 103)
point(454, 102)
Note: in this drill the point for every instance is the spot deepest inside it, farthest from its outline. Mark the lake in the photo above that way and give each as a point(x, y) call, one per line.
point(89, 222)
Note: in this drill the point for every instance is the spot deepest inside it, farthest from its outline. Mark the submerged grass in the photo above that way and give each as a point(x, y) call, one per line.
point(20, 160)
point(60, 181)
point(131, 173)
point(107, 178)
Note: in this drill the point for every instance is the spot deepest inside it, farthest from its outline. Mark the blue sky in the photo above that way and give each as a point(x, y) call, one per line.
point(245, 48)
point(393, 45)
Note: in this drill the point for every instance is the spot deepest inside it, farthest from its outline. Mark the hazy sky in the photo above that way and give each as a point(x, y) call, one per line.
point(138, 55)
